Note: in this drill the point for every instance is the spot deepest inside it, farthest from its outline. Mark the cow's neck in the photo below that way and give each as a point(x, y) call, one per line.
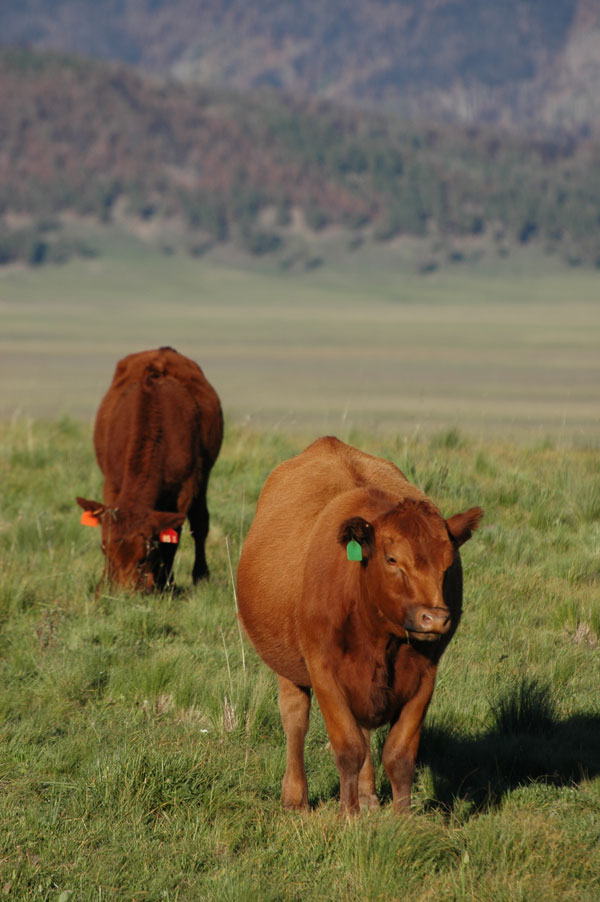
point(373, 620)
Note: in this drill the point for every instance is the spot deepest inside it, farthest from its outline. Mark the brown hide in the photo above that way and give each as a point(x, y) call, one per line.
point(365, 635)
point(157, 434)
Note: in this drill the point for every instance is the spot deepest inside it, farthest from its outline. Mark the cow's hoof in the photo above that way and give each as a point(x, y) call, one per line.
point(368, 803)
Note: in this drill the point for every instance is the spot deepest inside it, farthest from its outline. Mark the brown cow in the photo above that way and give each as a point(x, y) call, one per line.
point(157, 434)
point(366, 635)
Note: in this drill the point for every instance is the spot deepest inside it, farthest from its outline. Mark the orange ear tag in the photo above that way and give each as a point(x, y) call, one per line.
point(169, 536)
point(88, 519)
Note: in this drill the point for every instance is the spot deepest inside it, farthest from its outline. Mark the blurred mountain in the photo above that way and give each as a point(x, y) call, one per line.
point(91, 141)
point(527, 64)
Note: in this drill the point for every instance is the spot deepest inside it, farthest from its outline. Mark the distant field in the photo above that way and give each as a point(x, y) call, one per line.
point(354, 344)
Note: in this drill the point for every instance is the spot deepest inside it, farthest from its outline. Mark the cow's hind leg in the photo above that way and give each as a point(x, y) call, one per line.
point(294, 704)
point(367, 797)
point(199, 522)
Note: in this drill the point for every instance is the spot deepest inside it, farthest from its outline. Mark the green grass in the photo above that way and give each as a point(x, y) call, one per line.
point(509, 351)
point(141, 752)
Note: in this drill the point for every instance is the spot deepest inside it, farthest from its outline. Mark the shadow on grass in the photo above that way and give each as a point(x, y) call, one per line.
point(526, 743)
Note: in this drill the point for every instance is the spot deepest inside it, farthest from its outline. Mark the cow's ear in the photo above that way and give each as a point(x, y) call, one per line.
point(161, 520)
point(461, 526)
point(92, 511)
point(89, 505)
point(356, 529)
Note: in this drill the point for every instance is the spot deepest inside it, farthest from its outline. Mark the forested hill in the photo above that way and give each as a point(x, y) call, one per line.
point(524, 63)
point(87, 138)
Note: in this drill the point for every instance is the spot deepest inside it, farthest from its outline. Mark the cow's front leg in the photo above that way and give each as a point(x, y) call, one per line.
point(346, 738)
point(294, 705)
point(161, 562)
point(402, 744)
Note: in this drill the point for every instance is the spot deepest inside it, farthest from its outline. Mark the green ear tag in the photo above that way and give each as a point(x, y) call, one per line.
point(354, 551)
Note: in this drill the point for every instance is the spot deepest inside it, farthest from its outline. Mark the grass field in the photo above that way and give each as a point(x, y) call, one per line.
point(141, 751)
point(509, 351)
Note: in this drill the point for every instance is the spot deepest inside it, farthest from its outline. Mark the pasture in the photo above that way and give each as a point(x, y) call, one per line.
point(141, 752)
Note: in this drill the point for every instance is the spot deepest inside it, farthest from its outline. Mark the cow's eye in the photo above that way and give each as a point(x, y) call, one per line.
point(390, 559)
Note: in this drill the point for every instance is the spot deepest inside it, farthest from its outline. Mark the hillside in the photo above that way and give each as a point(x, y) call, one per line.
point(522, 63)
point(91, 139)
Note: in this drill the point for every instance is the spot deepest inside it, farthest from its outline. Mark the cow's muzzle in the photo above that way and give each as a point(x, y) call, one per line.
point(428, 623)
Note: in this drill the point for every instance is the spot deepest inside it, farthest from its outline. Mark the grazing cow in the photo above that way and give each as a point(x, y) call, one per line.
point(157, 434)
point(350, 584)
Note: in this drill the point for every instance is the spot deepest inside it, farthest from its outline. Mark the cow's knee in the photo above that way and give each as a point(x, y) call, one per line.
point(349, 758)
point(400, 768)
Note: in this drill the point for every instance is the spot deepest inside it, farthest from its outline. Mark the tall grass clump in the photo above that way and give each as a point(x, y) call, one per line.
point(527, 708)
point(141, 749)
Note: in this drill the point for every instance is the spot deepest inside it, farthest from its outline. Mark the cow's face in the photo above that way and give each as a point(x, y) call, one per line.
point(130, 543)
point(405, 556)
point(127, 550)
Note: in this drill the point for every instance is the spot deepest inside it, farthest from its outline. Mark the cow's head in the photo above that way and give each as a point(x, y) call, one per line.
point(405, 555)
point(131, 541)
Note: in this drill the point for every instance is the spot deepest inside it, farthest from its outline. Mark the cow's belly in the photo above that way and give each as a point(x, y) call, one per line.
point(275, 642)
point(266, 605)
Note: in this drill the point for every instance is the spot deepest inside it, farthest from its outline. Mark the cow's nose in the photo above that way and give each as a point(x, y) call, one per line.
point(433, 620)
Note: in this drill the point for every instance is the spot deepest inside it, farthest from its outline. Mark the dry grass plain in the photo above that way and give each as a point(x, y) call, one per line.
point(511, 352)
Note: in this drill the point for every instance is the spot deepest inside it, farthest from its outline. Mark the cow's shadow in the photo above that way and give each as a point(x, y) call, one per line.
point(526, 742)
point(482, 769)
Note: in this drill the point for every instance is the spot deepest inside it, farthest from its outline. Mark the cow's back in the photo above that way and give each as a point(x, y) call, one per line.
point(158, 393)
point(328, 467)
point(271, 568)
